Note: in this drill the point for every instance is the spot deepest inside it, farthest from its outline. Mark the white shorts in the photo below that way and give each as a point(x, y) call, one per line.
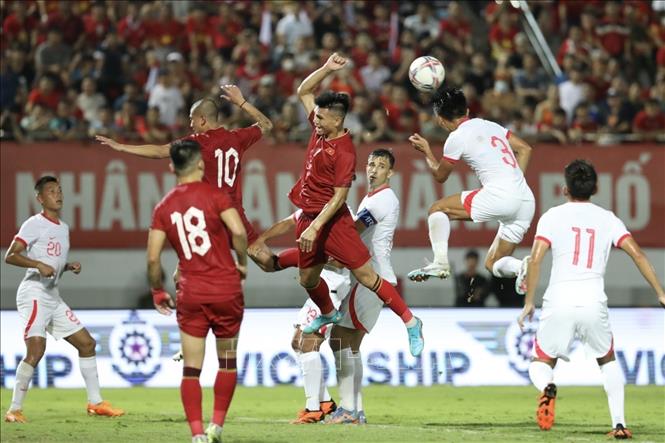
point(513, 212)
point(338, 284)
point(41, 313)
point(361, 309)
point(560, 326)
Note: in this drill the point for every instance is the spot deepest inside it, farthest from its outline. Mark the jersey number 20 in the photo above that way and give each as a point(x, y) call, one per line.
point(224, 172)
point(193, 237)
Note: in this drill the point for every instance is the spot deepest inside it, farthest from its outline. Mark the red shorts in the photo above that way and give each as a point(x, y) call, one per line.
point(338, 239)
point(223, 317)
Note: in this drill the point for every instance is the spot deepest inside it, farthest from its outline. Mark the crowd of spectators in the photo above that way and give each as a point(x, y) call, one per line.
point(131, 69)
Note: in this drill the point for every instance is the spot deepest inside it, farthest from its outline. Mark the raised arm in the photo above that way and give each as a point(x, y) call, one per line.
point(538, 251)
point(646, 268)
point(233, 223)
point(522, 151)
point(233, 94)
point(308, 86)
point(308, 236)
point(147, 151)
point(440, 170)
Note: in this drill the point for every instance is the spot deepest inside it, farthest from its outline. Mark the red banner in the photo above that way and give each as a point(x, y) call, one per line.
point(109, 196)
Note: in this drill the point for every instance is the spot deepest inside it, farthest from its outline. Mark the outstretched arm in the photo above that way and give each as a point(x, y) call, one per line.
point(148, 151)
point(440, 170)
point(642, 262)
point(538, 251)
point(309, 85)
point(522, 151)
point(233, 94)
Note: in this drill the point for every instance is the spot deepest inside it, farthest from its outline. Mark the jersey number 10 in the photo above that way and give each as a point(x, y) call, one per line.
point(224, 172)
point(578, 240)
point(193, 237)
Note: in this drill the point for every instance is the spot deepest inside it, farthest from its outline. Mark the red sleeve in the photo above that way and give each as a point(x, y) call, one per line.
point(345, 169)
point(33, 96)
point(248, 136)
point(158, 219)
point(222, 200)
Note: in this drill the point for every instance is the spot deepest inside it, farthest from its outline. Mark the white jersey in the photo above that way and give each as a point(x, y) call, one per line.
point(47, 241)
point(379, 212)
point(484, 146)
point(580, 235)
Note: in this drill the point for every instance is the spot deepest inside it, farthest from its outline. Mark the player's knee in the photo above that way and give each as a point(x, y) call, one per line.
point(439, 207)
point(489, 264)
point(34, 356)
point(308, 281)
point(295, 344)
point(87, 346)
point(365, 276)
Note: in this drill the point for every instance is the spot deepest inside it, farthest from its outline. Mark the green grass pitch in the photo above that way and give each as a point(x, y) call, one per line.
point(439, 413)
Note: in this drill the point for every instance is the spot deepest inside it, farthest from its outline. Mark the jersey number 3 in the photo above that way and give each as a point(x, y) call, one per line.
point(509, 156)
point(224, 172)
point(578, 240)
point(192, 232)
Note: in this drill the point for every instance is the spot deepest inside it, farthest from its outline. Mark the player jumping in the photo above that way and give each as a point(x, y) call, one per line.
point(499, 159)
point(326, 228)
point(195, 218)
point(575, 304)
point(221, 149)
point(46, 239)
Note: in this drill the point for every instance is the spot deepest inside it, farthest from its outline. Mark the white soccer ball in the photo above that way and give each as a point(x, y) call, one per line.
point(426, 73)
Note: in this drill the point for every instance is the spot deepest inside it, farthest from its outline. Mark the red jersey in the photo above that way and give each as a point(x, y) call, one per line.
point(190, 216)
point(328, 164)
point(222, 152)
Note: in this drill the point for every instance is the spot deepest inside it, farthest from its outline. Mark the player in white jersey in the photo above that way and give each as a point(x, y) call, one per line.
point(377, 218)
point(580, 235)
point(45, 239)
point(499, 159)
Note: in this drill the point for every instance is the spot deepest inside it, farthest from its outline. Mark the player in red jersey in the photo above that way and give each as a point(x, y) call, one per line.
point(326, 228)
point(195, 218)
point(221, 149)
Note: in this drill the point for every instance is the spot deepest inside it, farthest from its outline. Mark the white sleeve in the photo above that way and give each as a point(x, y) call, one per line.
point(375, 210)
point(618, 230)
point(29, 233)
point(453, 148)
point(545, 231)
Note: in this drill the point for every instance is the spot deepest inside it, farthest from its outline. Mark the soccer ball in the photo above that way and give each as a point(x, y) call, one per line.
point(426, 73)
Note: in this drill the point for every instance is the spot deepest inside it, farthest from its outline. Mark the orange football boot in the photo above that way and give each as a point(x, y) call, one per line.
point(15, 416)
point(620, 433)
point(307, 416)
point(105, 409)
point(545, 411)
point(328, 407)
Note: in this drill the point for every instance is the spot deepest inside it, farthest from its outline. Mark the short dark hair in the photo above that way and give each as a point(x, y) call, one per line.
point(449, 103)
point(210, 108)
point(471, 253)
point(386, 153)
point(581, 179)
point(39, 185)
point(183, 153)
point(334, 101)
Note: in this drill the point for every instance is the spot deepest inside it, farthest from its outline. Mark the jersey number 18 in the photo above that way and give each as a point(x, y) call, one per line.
point(193, 237)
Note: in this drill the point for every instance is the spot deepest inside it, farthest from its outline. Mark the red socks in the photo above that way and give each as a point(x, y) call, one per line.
point(287, 259)
point(320, 295)
point(392, 299)
point(190, 393)
point(225, 386)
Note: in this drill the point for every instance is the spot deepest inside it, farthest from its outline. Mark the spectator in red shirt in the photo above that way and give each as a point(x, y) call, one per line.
point(224, 28)
point(132, 28)
point(150, 129)
point(574, 45)
point(19, 28)
point(583, 123)
point(166, 32)
point(96, 24)
point(397, 104)
point(380, 26)
point(613, 32)
point(502, 36)
point(45, 94)
point(198, 33)
point(650, 122)
point(286, 76)
point(67, 20)
point(250, 73)
point(455, 31)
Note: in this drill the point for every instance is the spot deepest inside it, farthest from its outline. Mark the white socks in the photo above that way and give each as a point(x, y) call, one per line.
point(541, 374)
point(358, 380)
point(23, 377)
point(439, 232)
point(613, 383)
point(345, 378)
point(88, 367)
point(312, 373)
point(506, 267)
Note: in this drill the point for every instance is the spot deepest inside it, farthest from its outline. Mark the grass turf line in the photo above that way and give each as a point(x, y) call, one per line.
point(439, 413)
